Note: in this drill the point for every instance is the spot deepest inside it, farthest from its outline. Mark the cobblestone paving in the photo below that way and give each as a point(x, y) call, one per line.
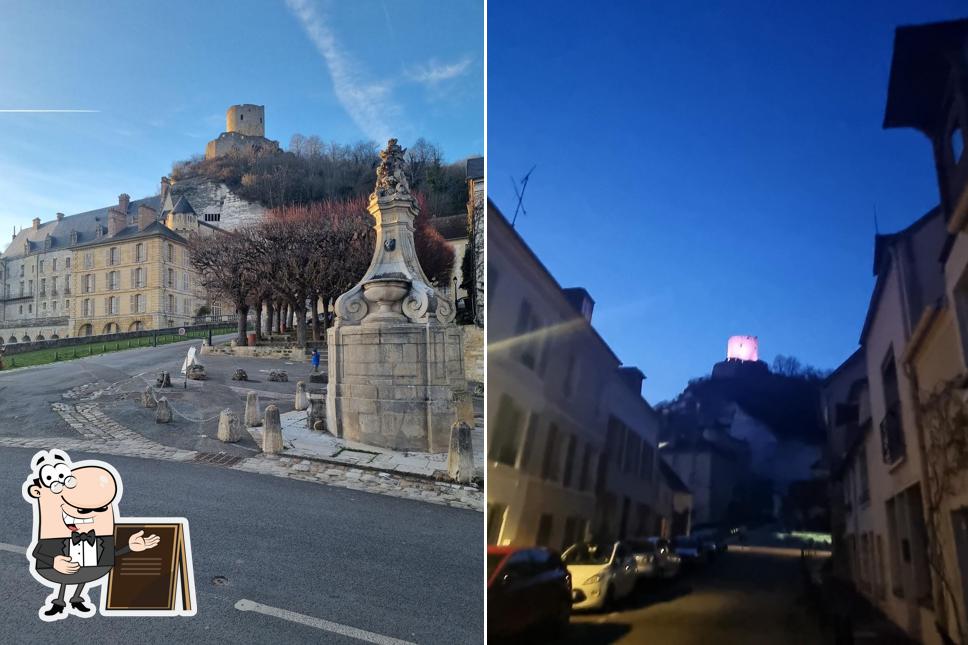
point(101, 434)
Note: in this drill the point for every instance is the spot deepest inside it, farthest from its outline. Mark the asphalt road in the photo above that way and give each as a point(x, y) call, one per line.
point(741, 599)
point(394, 568)
point(26, 394)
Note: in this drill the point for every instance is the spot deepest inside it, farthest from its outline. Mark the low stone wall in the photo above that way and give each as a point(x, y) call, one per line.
point(12, 349)
point(259, 351)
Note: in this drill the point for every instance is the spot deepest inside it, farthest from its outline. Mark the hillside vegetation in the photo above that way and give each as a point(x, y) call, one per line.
point(312, 171)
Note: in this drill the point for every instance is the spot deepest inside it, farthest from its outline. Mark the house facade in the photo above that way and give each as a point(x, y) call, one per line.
point(571, 443)
point(896, 410)
point(116, 269)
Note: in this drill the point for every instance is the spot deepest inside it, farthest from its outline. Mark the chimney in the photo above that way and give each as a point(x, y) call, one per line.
point(165, 189)
point(146, 215)
point(632, 377)
point(117, 220)
point(36, 223)
point(581, 301)
point(123, 200)
point(60, 216)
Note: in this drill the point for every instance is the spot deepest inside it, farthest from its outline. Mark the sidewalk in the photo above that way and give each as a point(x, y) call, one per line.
point(302, 443)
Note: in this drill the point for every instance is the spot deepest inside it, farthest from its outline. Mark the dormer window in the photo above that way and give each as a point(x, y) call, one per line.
point(957, 142)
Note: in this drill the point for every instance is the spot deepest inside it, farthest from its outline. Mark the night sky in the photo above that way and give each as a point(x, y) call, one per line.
point(707, 171)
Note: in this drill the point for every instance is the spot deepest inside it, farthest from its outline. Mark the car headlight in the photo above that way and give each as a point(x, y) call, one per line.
point(595, 578)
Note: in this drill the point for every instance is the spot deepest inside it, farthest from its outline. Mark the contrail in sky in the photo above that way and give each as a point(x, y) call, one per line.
point(41, 111)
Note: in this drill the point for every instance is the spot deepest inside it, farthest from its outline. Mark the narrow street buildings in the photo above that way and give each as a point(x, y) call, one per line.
point(571, 442)
point(896, 411)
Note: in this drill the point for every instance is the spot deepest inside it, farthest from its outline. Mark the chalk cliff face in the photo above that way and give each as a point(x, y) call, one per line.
point(216, 204)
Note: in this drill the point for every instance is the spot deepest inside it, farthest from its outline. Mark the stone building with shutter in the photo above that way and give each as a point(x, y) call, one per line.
point(115, 269)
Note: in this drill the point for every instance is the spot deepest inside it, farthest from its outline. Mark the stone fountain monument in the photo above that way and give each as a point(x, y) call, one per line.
point(395, 355)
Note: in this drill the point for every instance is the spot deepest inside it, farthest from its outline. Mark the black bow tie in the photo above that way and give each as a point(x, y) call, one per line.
point(88, 537)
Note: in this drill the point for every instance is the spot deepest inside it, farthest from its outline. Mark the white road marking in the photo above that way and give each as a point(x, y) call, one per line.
point(13, 548)
point(319, 623)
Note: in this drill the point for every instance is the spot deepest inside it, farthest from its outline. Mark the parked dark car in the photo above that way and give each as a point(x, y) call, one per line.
point(690, 549)
point(527, 588)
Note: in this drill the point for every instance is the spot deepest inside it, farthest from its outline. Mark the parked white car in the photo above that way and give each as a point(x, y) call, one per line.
point(601, 573)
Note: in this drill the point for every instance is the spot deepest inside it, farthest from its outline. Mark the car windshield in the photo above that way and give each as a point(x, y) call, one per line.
point(493, 559)
point(588, 554)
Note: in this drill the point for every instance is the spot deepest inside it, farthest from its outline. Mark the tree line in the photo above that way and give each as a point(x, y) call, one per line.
point(300, 256)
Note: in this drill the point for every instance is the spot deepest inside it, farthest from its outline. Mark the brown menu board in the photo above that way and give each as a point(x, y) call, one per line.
point(152, 580)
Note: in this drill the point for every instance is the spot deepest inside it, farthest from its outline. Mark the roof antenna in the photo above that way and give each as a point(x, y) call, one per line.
point(877, 230)
point(520, 194)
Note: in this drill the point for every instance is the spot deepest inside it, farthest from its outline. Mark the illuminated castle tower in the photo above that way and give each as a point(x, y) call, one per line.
point(245, 131)
point(742, 358)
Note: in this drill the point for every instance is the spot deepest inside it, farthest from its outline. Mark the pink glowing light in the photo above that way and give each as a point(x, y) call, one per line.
point(742, 348)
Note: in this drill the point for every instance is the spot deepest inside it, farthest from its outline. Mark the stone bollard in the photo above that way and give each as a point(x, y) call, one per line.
point(148, 398)
point(163, 413)
point(460, 458)
point(240, 375)
point(164, 380)
point(229, 428)
point(316, 413)
point(253, 417)
point(465, 406)
point(302, 400)
point(272, 431)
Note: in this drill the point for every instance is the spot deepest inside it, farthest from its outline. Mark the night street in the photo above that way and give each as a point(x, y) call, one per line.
point(357, 567)
point(741, 599)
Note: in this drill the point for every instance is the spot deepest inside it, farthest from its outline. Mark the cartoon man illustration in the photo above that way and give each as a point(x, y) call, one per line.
point(74, 517)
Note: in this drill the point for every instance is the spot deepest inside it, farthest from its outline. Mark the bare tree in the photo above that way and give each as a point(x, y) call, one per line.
point(224, 264)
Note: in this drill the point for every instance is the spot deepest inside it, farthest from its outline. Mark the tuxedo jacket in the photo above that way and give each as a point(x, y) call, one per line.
point(47, 549)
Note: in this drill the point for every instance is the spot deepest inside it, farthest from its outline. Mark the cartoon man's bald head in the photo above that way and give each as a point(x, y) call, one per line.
point(72, 498)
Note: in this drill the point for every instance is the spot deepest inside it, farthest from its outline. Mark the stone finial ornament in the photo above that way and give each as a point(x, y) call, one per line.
point(391, 181)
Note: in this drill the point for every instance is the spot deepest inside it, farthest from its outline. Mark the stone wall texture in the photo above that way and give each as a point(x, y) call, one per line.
point(392, 385)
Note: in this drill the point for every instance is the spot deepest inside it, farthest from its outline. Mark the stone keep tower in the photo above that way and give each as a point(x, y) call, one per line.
point(395, 354)
point(246, 119)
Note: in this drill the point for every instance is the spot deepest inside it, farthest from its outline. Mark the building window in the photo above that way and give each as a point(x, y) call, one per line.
point(171, 279)
point(89, 260)
point(495, 521)
point(543, 537)
point(137, 303)
point(213, 217)
point(569, 461)
point(113, 256)
point(137, 278)
point(524, 330)
point(53, 264)
point(86, 307)
point(67, 263)
point(171, 252)
point(41, 264)
point(633, 450)
point(506, 433)
point(139, 252)
point(67, 285)
point(648, 459)
point(43, 287)
point(113, 281)
point(549, 466)
point(569, 382)
point(111, 305)
point(892, 432)
point(583, 482)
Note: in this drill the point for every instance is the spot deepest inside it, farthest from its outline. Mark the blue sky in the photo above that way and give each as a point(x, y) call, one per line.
point(161, 75)
point(707, 169)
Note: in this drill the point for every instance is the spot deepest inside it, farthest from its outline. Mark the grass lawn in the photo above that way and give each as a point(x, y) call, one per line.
point(44, 356)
